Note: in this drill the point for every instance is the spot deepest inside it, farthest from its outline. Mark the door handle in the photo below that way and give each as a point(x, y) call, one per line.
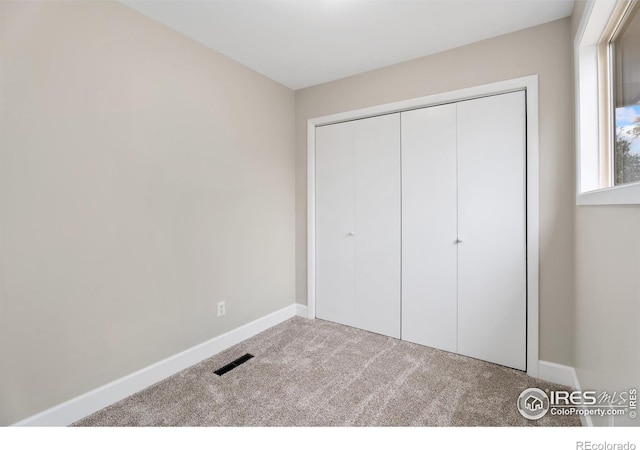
point(351, 233)
point(458, 241)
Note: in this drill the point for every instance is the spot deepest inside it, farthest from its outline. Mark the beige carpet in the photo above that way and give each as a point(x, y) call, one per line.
point(318, 373)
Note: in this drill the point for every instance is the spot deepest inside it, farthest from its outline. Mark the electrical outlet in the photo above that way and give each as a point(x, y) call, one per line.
point(221, 309)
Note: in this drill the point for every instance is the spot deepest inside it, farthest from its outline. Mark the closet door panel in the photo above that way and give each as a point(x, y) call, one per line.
point(429, 222)
point(492, 227)
point(377, 220)
point(358, 223)
point(335, 219)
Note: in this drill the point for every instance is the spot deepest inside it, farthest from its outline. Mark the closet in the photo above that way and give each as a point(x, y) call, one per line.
point(421, 226)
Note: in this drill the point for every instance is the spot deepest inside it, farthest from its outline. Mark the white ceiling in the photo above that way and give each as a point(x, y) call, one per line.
point(301, 43)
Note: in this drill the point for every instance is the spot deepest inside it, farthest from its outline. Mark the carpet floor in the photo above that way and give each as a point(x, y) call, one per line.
point(317, 373)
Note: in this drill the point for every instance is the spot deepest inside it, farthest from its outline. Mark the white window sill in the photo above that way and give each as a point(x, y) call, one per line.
point(628, 194)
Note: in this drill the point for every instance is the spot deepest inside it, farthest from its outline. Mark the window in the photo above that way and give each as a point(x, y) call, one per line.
point(607, 56)
point(624, 48)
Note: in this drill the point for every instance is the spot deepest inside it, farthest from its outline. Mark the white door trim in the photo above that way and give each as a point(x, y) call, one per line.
point(528, 83)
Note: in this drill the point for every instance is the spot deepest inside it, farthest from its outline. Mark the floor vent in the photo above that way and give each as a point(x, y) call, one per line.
point(233, 364)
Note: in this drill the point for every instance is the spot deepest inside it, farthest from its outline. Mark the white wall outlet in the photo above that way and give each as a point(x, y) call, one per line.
point(221, 309)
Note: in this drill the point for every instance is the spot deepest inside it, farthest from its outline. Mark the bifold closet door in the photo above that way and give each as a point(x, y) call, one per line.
point(492, 229)
point(429, 225)
point(358, 223)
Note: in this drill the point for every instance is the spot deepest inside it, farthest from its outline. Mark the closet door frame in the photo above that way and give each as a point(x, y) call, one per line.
point(528, 84)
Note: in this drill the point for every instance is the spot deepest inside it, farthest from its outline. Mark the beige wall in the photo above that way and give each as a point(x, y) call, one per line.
point(607, 241)
point(143, 178)
point(544, 50)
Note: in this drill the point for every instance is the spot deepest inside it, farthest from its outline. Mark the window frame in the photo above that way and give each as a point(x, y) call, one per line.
point(594, 107)
point(622, 16)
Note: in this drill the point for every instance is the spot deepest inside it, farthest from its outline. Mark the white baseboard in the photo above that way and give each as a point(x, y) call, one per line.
point(565, 375)
point(586, 421)
point(75, 409)
point(557, 373)
point(302, 310)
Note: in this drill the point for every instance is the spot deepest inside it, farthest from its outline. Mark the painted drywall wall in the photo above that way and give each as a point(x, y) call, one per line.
point(544, 50)
point(607, 243)
point(143, 178)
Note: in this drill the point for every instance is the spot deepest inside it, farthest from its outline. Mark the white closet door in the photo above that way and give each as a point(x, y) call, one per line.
point(335, 219)
point(358, 223)
point(377, 232)
point(492, 227)
point(429, 223)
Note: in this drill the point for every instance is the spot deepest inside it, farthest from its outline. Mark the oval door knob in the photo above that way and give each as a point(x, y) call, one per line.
point(351, 233)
